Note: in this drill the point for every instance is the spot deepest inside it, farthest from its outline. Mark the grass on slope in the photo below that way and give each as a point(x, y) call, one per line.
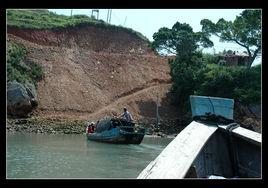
point(44, 19)
point(19, 68)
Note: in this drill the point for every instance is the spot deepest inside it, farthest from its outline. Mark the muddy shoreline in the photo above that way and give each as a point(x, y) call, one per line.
point(62, 126)
point(166, 129)
point(45, 126)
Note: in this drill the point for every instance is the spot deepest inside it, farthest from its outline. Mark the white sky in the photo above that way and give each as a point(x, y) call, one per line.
point(149, 21)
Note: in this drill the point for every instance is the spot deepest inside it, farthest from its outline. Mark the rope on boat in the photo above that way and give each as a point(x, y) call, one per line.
point(214, 119)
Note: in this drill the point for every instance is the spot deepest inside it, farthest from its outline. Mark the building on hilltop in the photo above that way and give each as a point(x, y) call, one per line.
point(234, 58)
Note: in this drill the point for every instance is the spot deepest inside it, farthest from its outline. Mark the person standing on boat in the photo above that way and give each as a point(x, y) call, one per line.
point(127, 115)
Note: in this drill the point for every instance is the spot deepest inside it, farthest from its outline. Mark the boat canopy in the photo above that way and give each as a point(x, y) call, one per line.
point(103, 125)
point(106, 124)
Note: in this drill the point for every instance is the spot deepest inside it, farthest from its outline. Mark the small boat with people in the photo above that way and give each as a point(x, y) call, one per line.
point(116, 130)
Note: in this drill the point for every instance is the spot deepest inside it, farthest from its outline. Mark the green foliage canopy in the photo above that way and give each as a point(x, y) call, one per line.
point(195, 73)
point(179, 40)
point(239, 83)
point(245, 31)
point(182, 41)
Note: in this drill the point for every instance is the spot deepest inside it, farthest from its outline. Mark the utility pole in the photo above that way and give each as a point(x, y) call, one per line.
point(97, 11)
point(71, 12)
point(109, 15)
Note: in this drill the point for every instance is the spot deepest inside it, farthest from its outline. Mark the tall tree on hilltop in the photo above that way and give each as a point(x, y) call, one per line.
point(245, 31)
point(181, 41)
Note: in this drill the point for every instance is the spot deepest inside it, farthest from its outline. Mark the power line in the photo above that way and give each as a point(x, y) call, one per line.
point(117, 18)
point(125, 21)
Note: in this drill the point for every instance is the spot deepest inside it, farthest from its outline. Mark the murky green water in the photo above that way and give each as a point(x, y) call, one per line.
point(73, 156)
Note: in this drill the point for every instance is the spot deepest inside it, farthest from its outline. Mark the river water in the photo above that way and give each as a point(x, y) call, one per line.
point(73, 156)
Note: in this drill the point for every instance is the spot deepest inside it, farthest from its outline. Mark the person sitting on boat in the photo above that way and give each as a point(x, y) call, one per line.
point(91, 127)
point(127, 116)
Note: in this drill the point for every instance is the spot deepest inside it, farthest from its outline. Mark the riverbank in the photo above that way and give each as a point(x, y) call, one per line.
point(166, 128)
point(65, 126)
point(46, 126)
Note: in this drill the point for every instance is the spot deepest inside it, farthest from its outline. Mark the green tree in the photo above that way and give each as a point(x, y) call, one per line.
point(183, 42)
point(245, 31)
point(179, 40)
point(210, 58)
point(239, 83)
point(185, 76)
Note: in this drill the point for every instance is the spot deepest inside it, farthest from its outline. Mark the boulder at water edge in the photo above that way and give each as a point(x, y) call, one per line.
point(21, 99)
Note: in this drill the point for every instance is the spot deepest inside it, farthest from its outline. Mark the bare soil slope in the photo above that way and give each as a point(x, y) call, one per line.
point(91, 72)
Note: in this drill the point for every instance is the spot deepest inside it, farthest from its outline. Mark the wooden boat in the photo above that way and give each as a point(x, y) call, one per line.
point(117, 131)
point(207, 148)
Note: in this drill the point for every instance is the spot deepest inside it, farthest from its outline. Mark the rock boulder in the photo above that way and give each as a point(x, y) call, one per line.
point(21, 99)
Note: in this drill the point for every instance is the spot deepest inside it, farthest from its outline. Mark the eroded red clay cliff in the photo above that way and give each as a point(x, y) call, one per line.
point(91, 72)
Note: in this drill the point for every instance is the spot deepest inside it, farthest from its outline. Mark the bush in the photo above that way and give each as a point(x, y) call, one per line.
point(196, 77)
point(210, 58)
point(239, 83)
point(18, 68)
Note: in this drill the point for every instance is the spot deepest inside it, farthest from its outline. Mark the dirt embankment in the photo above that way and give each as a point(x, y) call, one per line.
point(91, 38)
point(91, 72)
